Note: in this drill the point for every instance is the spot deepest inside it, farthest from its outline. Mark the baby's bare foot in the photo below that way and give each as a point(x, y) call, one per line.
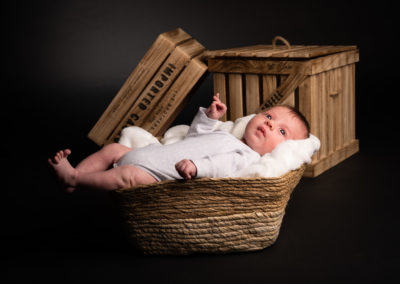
point(63, 169)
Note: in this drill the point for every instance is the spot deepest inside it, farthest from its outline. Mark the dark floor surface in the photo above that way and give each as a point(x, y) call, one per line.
point(341, 227)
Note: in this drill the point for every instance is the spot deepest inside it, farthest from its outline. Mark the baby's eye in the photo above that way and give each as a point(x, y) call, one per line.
point(283, 132)
point(268, 116)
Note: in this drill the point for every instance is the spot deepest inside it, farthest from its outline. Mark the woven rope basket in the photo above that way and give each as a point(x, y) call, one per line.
point(207, 215)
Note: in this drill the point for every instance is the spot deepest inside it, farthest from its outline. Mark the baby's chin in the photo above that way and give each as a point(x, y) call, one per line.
point(254, 144)
point(262, 151)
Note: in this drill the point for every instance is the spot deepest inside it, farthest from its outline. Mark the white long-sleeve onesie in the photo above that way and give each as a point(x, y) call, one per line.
point(214, 153)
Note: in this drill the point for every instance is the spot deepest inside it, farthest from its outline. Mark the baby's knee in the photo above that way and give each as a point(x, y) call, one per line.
point(132, 176)
point(112, 148)
point(114, 151)
point(127, 175)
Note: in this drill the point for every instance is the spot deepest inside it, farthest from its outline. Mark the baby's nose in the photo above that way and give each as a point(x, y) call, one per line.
point(270, 124)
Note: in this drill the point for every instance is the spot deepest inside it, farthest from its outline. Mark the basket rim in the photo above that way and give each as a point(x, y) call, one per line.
point(224, 179)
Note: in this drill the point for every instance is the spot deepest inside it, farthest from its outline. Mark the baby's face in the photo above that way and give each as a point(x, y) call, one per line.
point(267, 129)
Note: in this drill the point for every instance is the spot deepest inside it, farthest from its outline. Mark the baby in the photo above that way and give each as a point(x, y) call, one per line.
point(204, 152)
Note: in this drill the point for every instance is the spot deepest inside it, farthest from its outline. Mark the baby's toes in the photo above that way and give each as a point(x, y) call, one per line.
point(58, 156)
point(51, 162)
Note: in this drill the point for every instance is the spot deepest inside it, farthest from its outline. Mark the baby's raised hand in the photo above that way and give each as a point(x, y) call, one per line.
point(217, 108)
point(186, 169)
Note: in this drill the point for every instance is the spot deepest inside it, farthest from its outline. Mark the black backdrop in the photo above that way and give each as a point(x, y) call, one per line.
point(65, 61)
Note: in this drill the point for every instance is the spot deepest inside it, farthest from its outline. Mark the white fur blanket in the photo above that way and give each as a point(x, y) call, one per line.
point(288, 155)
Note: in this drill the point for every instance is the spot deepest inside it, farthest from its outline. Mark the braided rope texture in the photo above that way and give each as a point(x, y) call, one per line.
point(207, 215)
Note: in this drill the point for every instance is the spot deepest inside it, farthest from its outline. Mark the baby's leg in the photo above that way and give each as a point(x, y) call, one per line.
point(115, 178)
point(99, 161)
point(104, 158)
point(120, 177)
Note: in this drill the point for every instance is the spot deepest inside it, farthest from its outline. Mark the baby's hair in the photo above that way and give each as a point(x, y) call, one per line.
point(299, 115)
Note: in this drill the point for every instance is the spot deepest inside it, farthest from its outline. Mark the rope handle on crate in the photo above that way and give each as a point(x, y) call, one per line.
point(282, 39)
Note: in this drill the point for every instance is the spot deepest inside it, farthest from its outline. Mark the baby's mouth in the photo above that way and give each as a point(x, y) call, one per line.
point(262, 130)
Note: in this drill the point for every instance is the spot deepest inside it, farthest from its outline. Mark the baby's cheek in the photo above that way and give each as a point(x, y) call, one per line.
point(270, 145)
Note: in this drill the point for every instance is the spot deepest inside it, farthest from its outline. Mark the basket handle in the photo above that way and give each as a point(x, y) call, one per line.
point(276, 38)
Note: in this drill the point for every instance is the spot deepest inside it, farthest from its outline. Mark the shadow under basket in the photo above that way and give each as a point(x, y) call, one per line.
point(207, 215)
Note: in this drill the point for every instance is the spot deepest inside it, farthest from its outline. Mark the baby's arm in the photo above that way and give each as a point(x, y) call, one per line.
point(224, 164)
point(217, 108)
point(186, 169)
point(206, 119)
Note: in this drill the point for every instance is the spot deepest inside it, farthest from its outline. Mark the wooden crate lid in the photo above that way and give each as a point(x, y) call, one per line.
point(280, 51)
point(157, 89)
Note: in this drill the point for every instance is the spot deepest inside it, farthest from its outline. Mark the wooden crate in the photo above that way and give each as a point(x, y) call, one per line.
point(317, 80)
point(157, 89)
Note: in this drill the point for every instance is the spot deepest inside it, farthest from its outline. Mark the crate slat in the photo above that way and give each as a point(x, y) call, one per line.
point(323, 114)
point(290, 99)
point(244, 51)
point(220, 87)
point(271, 67)
point(305, 103)
point(269, 86)
point(280, 51)
point(315, 109)
point(235, 96)
point(347, 105)
point(252, 93)
point(352, 99)
point(337, 95)
point(332, 99)
point(329, 62)
point(283, 52)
